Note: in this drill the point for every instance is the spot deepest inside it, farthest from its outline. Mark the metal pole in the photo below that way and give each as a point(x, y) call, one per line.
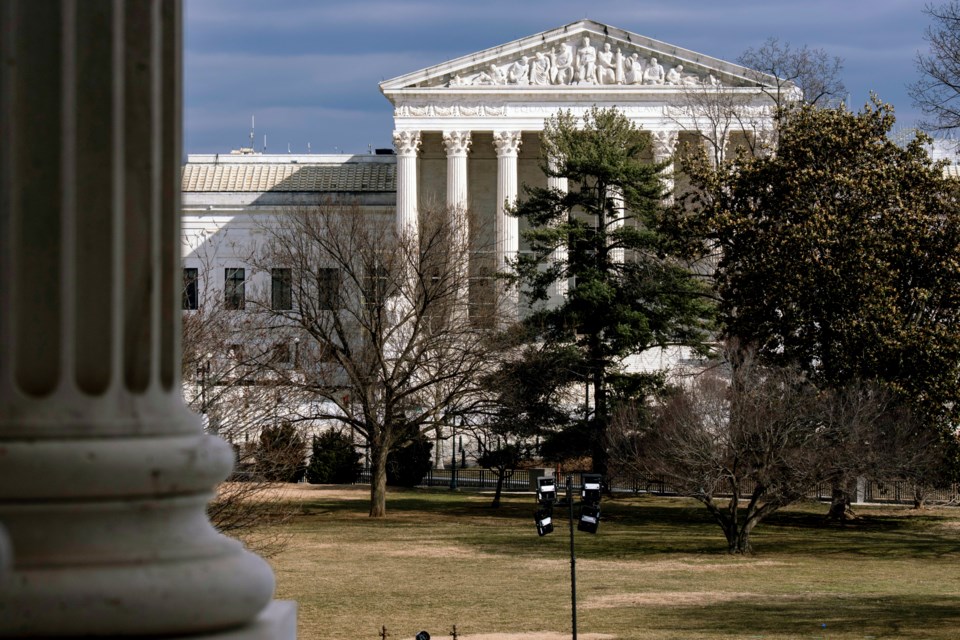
point(573, 561)
point(453, 448)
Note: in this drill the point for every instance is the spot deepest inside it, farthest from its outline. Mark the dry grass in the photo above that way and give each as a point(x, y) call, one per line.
point(655, 570)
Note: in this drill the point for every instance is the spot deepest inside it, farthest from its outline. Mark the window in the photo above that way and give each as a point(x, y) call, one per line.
point(233, 291)
point(281, 289)
point(191, 289)
point(375, 287)
point(328, 289)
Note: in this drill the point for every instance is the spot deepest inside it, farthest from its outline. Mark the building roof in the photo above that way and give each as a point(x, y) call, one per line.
point(265, 176)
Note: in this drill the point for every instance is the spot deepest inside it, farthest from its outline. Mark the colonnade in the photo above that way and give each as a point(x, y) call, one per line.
point(507, 143)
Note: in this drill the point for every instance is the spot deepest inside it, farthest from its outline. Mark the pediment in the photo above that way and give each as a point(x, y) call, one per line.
point(583, 54)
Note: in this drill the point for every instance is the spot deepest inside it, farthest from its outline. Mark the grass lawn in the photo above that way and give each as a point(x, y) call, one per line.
point(656, 569)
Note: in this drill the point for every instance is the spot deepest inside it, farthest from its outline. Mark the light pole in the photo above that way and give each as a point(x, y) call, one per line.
point(589, 519)
point(203, 370)
point(453, 457)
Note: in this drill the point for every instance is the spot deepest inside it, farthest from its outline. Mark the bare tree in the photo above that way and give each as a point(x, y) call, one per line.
point(812, 72)
point(937, 92)
point(388, 345)
point(740, 438)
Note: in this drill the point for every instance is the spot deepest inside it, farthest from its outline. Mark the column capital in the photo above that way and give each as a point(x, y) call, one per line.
point(457, 143)
point(407, 143)
point(507, 143)
point(664, 144)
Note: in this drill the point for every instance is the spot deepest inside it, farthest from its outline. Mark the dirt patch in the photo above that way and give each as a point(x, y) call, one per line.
point(679, 599)
point(304, 491)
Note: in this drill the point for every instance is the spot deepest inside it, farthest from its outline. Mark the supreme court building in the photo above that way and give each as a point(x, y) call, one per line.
point(466, 137)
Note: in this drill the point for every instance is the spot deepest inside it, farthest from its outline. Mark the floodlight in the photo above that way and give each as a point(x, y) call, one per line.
point(590, 492)
point(546, 490)
point(423, 635)
point(589, 518)
point(544, 520)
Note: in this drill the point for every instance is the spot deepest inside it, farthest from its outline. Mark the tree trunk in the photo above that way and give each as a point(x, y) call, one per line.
point(378, 480)
point(840, 509)
point(496, 494)
point(919, 496)
point(600, 455)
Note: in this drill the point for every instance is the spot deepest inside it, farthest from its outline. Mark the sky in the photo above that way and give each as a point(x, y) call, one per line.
point(309, 70)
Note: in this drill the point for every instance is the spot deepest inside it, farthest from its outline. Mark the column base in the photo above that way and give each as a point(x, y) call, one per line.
point(278, 621)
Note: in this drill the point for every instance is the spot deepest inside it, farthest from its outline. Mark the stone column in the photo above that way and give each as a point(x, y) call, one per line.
point(104, 472)
point(562, 286)
point(457, 144)
point(664, 146)
point(407, 144)
point(507, 144)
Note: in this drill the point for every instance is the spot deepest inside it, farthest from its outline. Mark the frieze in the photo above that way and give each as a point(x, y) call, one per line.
point(448, 110)
point(581, 64)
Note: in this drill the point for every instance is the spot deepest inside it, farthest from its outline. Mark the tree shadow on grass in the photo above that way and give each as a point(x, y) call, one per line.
point(880, 616)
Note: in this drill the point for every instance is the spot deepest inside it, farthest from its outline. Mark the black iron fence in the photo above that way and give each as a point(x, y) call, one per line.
point(892, 492)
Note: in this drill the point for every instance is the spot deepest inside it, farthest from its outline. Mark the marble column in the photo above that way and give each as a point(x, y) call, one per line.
point(562, 286)
point(507, 144)
point(104, 472)
point(407, 143)
point(457, 145)
point(664, 146)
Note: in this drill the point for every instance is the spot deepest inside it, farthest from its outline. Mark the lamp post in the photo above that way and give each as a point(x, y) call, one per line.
point(453, 456)
point(203, 370)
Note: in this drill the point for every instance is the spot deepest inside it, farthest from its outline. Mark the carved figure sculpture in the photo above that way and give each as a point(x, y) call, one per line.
point(540, 69)
point(561, 69)
point(654, 73)
point(519, 72)
point(674, 76)
point(632, 69)
point(606, 66)
point(587, 63)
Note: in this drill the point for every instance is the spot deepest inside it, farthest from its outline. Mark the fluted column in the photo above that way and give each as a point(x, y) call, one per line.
point(561, 286)
point(104, 472)
point(507, 144)
point(457, 145)
point(407, 144)
point(664, 146)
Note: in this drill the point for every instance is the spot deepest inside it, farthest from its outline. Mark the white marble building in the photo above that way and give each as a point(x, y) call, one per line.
point(467, 136)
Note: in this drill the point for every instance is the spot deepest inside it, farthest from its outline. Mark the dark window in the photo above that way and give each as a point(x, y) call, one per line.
point(233, 291)
point(281, 354)
point(328, 289)
point(281, 290)
point(191, 289)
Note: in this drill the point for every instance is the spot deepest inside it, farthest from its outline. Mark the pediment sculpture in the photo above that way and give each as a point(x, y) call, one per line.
point(581, 64)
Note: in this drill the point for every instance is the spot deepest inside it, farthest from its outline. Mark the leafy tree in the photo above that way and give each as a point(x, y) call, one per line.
point(937, 92)
point(335, 459)
point(839, 254)
point(409, 461)
point(280, 454)
point(628, 293)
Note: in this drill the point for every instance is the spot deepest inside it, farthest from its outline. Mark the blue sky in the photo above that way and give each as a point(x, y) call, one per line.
point(309, 69)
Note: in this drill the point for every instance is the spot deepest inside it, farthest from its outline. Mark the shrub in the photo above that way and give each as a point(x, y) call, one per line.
point(409, 461)
point(335, 460)
point(280, 453)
